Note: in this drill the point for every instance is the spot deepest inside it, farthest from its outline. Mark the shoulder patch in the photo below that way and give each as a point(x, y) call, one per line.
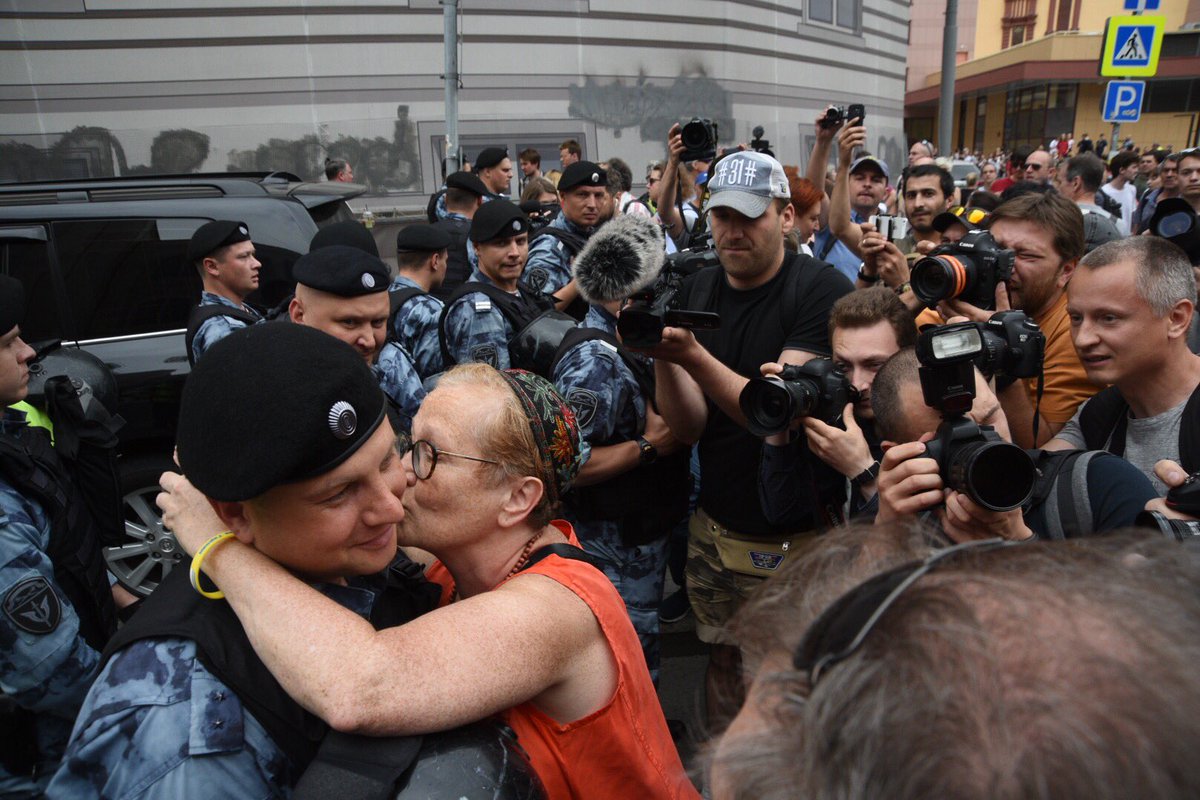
point(482, 306)
point(484, 354)
point(536, 278)
point(583, 402)
point(33, 606)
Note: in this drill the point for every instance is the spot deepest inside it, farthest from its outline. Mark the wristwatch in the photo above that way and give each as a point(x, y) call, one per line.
point(868, 475)
point(865, 278)
point(904, 287)
point(647, 452)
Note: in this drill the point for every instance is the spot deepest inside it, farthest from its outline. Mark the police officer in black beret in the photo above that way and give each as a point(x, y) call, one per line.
point(482, 315)
point(223, 254)
point(451, 209)
point(495, 170)
point(421, 256)
point(342, 291)
point(583, 195)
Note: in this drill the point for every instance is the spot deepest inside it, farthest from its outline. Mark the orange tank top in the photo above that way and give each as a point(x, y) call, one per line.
point(623, 749)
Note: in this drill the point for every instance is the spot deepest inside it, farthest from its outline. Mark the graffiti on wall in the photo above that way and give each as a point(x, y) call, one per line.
point(649, 108)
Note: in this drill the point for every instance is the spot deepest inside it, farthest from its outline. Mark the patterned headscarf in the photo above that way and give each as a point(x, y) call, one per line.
point(554, 429)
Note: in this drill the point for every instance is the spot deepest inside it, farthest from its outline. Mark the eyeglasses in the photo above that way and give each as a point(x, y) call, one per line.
point(425, 455)
point(844, 626)
point(1034, 167)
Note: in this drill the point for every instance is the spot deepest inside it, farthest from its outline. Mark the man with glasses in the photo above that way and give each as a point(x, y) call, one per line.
point(1039, 166)
point(527, 628)
point(1015, 170)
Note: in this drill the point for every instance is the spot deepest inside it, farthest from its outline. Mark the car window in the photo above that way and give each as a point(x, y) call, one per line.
point(28, 262)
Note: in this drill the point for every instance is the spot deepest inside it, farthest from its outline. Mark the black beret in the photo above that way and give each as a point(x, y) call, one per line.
point(274, 404)
point(582, 173)
point(497, 219)
point(348, 232)
point(341, 270)
point(490, 157)
point(422, 237)
point(214, 235)
point(12, 303)
point(467, 181)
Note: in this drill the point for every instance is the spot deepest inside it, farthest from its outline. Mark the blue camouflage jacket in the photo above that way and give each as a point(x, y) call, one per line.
point(157, 724)
point(45, 665)
point(399, 380)
point(214, 329)
point(416, 327)
point(548, 267)
point(475, 330)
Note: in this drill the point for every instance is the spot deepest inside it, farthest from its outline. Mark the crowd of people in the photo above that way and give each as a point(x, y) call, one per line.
point(917, 454)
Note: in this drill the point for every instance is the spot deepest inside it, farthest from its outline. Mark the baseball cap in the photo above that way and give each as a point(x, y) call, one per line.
point(971, 218)
point(879, 164)
point(747, 182)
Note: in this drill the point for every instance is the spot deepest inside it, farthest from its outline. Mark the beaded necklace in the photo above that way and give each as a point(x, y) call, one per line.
point(526, 551)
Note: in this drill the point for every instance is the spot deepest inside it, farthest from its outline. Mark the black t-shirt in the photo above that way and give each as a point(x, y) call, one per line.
point(753, 331)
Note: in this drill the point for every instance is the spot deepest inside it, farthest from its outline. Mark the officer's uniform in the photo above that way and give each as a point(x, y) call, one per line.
point(461, 259)
point(473, 328)
point(207, 239)
point(610, 408)
point(415, 323)
point(350, 272)
point(548, 268)
point(183, 707)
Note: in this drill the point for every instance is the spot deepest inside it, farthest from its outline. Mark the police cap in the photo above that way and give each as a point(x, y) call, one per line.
point(246, 424)
point(423, 238)
point(12, 303)
point(468, 182)
point(490, 157)
point(348, 232)
point(214, 235)
point(341, 270)
point(497, 219)
point(582, 173)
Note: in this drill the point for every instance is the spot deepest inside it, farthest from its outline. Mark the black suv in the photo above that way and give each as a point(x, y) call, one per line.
point(103, 265)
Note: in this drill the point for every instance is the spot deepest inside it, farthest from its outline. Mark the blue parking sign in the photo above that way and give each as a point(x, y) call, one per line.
point(1123, 101)
point(1142, 5)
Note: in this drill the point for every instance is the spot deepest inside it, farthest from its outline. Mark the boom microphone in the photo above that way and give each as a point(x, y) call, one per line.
point(624, 256)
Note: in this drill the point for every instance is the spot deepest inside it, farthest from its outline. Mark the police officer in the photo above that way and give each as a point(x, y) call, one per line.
point(495, 170)
point(56, 609)
point(224, 257)
point(305, 472)
point(463, 196)
point(635, 484)
point(582, 193)
point(421, 255)
point(342, 291)
point(478, 321)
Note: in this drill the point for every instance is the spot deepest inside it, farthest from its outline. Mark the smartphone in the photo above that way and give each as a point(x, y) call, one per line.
point(856, 111)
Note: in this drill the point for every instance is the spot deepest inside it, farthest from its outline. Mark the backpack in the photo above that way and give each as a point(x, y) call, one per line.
point(1062, 487)
point(1105, 418)
point(572, 243)
point(522, 312)
point(397, 299)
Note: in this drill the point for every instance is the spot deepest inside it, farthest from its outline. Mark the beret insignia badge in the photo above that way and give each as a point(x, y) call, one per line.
point(342, 419)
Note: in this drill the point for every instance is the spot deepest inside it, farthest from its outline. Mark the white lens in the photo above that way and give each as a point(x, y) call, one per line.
point(956, 344)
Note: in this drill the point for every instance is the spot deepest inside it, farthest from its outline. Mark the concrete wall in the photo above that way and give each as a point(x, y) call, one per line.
point(134, 85)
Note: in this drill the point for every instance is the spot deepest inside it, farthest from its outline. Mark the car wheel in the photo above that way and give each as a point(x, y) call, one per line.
point(150, 551)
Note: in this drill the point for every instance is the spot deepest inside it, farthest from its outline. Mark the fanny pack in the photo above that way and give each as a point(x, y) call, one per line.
point(761, 558)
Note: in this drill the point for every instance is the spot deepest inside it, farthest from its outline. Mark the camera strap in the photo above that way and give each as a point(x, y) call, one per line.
point(1037, 403)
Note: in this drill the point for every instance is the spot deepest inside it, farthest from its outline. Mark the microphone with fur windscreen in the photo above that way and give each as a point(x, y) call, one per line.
point(623, 257)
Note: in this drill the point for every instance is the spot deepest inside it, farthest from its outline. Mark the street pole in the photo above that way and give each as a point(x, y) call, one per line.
point(946, 104)
point(450, 46)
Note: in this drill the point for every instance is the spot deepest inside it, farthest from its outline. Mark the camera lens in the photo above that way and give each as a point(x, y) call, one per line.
point(1174, 225)
point(938, 278)
point(996, 474)
point(770, 404)
point(695, 135)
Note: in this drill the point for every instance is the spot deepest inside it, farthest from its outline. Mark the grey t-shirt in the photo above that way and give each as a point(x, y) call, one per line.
point(1147, 440)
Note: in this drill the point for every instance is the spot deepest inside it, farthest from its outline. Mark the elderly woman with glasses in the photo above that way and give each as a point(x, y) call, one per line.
point(527, 629)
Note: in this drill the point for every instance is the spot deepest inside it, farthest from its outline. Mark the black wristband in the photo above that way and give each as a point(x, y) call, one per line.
point(647, 452)
point(865, 278)
point(868, 475)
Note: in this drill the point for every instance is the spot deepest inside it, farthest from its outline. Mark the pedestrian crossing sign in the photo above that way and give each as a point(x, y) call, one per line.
point(1132, 45)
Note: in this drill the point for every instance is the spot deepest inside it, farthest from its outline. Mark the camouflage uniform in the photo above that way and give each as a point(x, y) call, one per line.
point(548, 267)
point(214, 329)
point(476, 330)
point(416, 327)
point(610, 408)
point(400, 382)
point(45, 664)
point(154, 705)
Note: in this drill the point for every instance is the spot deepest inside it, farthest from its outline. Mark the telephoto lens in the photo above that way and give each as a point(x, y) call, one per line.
point(941, 277)
point(771, 403)
point(996, 474)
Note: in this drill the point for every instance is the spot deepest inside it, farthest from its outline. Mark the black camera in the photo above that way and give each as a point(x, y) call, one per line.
point(540, 214)
point(969, 270)
point(836, 115)
point(1184, 498)
point(972, 459)
point(758, 144)
point(1009, 344)
point(815, 388)
point(699, 140)
point(641, 322)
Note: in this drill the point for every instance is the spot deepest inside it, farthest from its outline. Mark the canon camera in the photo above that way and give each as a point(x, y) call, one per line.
point(815, 388)
point(968, 270)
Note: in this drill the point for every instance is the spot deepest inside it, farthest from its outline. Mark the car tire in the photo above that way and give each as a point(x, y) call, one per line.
point(150, 551)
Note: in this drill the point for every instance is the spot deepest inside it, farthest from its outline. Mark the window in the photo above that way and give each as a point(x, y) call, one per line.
point(980, 123)
point(845, 14)
point(26, 260)
point(1017, 23)
point(1035, 115)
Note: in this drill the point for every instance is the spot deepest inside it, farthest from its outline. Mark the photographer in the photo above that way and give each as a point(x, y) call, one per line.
point(1074, 495)
point(1045, 233)
point(773, 306)
point(860, 186)
point(1131, 304)
point(676, 190)
point(866, 328)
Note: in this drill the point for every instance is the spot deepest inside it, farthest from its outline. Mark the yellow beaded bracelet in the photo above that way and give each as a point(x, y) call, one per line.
point(198, 559)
